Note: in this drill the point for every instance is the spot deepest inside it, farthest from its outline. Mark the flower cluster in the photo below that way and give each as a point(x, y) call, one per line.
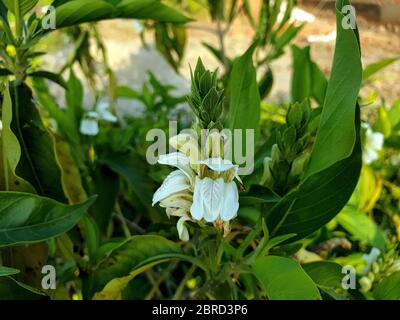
point(203, 188)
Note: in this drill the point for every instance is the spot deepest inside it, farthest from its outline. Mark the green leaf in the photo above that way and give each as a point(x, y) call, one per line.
point(362, 227)
point(6, 271)
point(11, 150)
point(388, 288)
point(284, 279)
point(133, 169)
point(134, 254)
point(258, 194)
point(11, 289)
point(301, 77)
point(27, 218)
point(336, 135)
point(375, 67)
point(325, 274)
point(38, 164)
point(244, 97)
point(78, 11)
point(307, 79)
point(24, 5)
point(56, 78)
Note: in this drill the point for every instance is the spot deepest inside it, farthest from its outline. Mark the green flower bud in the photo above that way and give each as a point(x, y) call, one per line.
point(299, 165)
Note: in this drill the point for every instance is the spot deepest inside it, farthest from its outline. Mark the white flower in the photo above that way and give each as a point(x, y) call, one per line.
point(200, 189)
point(214, 199)
point(370, 259)
point(104, 113)
point(372, 145)
point(90, 123)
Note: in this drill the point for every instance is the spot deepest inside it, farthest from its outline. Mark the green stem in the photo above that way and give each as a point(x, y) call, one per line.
point(121, 218)
point(181, 287)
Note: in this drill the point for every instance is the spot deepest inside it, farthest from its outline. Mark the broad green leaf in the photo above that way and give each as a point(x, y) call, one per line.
point(388, 288)
point(325, 274)
point(362, 227)
point(134, 254)
point(244, 97)
point(11, 154)
point(78, 11)
point(24, 6)
point(11, 289)
point(27, 218)
point(375, 67)
point(336, 135)
point(38, 164)
point(284, 279)
point(6, 271)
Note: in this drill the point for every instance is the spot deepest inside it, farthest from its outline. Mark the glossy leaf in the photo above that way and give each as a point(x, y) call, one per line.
point(284, 279)
point(38, 164)
point(27, 218)
point(325, 274)
point(388, 288)
point(11, 289)
point(336, 135)
point(77, 11)
point(133, 254)
point(11, 154)
point(244, 97)
point(24, 6)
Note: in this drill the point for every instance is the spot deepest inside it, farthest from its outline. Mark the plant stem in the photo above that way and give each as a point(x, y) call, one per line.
point(121, 218)
point(181, 287)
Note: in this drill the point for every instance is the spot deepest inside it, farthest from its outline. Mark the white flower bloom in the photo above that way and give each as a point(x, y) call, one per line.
point(200, 189)
point(104, 113)
point(370, 258)
point(372, 145)
point(89, 124)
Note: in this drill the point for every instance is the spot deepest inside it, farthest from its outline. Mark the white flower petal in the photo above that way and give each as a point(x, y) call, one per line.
point(231, 202)
point(376, 140)
point(182, 229)
point(108, 116)
point(188, 145)
point(175, 182)
point(212, 196)
point(178, 200)
point(89, 127)
point(197, 209)
point(180, 161)
point(219, 164)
